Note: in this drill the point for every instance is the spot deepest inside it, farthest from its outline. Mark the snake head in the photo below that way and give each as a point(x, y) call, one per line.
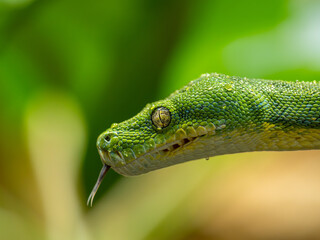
point(164, 132)
point(174, 130)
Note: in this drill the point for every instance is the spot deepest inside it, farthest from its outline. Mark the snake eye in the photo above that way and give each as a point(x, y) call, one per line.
point(161, 117)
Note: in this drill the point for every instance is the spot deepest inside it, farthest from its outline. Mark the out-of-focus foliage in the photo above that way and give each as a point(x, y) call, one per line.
point(68, 69)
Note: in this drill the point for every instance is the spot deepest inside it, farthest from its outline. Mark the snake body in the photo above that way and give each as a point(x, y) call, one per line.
point(214, 115)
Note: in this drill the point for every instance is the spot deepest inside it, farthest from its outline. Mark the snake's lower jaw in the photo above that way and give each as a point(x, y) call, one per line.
point(160, 157)
point(105, 157)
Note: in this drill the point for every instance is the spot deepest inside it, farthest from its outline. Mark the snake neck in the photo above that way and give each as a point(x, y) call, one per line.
point(285, 116)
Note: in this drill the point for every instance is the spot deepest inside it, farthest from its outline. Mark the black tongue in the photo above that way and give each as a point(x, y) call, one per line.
point(103, 172)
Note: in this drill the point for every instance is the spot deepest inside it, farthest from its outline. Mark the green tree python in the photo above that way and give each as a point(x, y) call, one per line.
point(213, 115)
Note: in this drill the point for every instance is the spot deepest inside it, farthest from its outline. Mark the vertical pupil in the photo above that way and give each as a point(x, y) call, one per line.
point(161, 115)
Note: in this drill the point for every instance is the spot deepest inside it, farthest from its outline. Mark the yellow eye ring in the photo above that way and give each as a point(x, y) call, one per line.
point(161, 117)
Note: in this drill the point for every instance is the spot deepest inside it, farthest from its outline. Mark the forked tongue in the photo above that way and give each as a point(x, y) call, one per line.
point(103, 172)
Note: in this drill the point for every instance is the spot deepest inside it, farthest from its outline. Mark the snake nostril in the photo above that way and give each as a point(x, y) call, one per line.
point(107, 138)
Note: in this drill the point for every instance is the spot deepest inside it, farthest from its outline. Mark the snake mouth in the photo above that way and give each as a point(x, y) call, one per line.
point(117, 159)
point(179, 144)
point(164, 151)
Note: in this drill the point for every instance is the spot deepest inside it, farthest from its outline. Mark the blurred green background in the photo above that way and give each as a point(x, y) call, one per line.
point(68, 69)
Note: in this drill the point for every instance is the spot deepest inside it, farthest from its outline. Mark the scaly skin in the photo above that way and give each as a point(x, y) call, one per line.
point(214, 115)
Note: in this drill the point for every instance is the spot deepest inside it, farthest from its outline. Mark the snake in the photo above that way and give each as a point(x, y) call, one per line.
point(213, 115)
